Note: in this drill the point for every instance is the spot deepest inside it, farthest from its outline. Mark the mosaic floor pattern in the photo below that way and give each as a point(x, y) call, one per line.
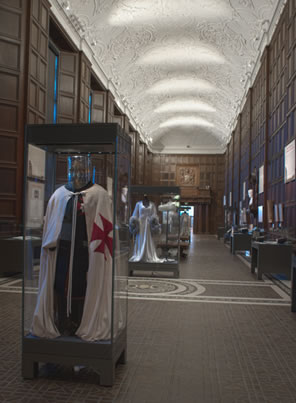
point(186, 290)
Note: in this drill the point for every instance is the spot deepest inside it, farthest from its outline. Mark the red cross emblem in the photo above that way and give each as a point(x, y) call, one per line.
point(103, 235)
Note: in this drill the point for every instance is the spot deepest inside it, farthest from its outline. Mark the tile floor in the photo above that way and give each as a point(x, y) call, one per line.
point(214, 335)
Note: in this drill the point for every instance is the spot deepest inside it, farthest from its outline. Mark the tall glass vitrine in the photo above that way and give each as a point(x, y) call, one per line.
point(76, 200)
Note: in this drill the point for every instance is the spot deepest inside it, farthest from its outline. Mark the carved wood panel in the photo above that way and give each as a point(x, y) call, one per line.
point(187, 175)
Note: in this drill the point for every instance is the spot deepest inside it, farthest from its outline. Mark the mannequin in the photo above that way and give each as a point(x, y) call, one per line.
point(185, 224)
point(145, 200)
point(144, 249)
point(75, 280)
point(123, 196)
point(250, 194)
point(79, 173)
point(253, 197)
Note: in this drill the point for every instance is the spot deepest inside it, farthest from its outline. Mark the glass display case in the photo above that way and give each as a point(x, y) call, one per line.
point(155, 229)
point(76, 200)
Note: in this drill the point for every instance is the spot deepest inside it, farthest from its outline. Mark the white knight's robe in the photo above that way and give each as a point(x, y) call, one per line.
point(96, 319)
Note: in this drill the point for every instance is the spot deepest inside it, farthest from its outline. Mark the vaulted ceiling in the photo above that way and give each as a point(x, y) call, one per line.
point(179, 65)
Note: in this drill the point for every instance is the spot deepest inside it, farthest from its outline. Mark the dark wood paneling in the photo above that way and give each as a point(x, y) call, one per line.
point(236, 165)
point(13, 21)
point(133, 136)
point(259, 125)
point(148, 167)
point(10, 23)
point(141, 164)
point(211, 174)
point(226, 179)
point(230, 173)
point(118, 119)
point(38, 60)
point(84, 88)
point(287, 192)
point(245, 148)
point(277, 97)
point(110, 107)
point(99, 106)
point(126, 124)
point(67, 88)
point(114, 115)
point(273, 110)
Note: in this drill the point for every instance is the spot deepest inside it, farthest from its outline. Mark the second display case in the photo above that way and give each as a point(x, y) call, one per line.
point(155, 229)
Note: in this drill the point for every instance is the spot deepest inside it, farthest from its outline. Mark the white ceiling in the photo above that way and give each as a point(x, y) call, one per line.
point(179, 65)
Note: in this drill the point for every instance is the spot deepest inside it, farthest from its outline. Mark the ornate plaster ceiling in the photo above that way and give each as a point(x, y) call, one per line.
point(179, 65)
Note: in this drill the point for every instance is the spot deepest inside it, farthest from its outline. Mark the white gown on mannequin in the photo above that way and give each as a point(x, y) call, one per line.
point(144, 248)
point(185, 225)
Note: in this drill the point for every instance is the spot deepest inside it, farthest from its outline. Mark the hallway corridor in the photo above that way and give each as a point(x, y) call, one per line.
point(216, 334)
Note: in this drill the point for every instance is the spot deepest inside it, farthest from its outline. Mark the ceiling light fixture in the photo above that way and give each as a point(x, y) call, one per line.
point(186, 121)
point(165, 11)
point(181, 85)
point(182, 54)
point(184, 105)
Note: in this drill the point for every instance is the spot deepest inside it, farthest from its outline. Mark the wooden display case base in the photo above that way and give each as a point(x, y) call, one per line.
point(102, 357)
point(172, 267)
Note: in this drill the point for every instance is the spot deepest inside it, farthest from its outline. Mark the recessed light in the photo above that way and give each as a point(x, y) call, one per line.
point(181, 85)
point(184, 105)
point(186, 121)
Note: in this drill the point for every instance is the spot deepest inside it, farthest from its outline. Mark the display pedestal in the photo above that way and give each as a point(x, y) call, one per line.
point(271, 257)
point(102, 357)
point(240, 241)
point(172, 267)
point(220, 232)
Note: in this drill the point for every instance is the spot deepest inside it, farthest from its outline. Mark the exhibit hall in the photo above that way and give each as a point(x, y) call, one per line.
point(147, 201)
